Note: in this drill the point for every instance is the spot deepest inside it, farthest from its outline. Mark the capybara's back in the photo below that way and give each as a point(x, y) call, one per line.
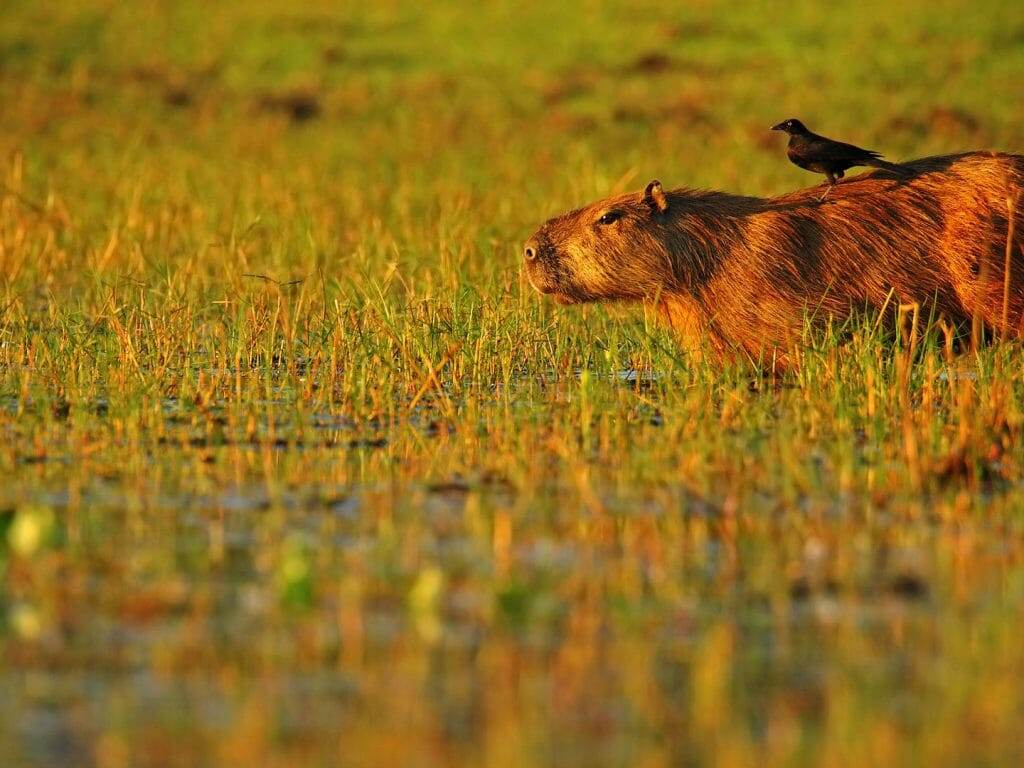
point(744, 274)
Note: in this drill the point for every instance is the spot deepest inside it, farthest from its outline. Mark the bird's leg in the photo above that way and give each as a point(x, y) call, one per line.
point(832, 181)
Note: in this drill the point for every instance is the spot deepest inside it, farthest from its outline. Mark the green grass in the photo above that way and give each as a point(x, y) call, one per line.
point(297, 469)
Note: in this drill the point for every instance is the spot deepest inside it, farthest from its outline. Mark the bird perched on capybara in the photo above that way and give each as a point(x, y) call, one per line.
point(833, 158)
point(742, 274)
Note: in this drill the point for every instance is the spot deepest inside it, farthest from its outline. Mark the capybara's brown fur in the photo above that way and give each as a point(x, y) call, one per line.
point(741, 275)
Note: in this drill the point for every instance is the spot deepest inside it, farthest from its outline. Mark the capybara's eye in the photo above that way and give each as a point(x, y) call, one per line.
point(609, 217)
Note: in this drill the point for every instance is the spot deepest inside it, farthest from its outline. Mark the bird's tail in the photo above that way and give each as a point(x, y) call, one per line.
point(885, 165)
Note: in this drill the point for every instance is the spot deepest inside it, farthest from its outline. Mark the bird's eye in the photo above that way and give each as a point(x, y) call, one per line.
point(609, 217)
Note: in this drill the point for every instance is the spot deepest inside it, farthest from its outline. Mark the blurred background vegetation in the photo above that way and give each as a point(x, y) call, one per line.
point(298, 470)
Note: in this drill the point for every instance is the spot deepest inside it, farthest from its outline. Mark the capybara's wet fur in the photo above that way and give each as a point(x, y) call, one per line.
point(741, 275)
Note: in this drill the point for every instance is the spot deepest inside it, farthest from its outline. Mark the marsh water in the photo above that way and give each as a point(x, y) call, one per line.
point(219, 589)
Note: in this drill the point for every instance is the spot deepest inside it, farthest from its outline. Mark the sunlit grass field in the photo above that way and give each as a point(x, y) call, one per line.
point(296, 469)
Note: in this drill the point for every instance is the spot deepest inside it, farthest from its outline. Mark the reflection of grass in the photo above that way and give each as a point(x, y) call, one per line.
point(293, 457)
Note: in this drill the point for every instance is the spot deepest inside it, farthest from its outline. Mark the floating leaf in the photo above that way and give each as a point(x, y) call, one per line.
point(31, 530)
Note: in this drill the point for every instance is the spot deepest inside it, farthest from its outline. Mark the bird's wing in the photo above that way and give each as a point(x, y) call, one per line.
point(840, 150)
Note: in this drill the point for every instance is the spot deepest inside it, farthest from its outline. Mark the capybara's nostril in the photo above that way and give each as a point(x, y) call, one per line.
point(530, 253)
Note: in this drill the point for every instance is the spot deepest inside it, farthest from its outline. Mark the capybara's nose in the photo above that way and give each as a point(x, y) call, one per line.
point(530, 252)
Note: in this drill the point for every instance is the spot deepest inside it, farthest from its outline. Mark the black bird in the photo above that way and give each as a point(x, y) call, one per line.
point(832, 158)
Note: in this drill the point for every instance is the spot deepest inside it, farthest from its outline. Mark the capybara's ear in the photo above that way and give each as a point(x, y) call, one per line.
point(654, 196)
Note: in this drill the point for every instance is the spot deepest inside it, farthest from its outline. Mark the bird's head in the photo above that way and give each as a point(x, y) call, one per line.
point(791, 126)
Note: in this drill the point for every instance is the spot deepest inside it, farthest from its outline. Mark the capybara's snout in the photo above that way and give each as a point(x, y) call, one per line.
point(538, 261)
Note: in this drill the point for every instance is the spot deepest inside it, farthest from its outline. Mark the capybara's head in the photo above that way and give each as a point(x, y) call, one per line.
point(613, 249)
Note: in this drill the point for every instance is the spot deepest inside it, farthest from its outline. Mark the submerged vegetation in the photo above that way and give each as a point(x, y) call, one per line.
point(296, 467)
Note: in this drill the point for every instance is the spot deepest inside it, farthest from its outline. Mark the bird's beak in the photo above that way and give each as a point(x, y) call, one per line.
point(779, 127)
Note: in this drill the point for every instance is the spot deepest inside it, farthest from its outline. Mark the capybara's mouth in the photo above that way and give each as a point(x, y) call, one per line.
point(545, 283)
point(541, 280)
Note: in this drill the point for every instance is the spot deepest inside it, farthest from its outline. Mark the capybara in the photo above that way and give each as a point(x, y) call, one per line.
point(739, 276)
